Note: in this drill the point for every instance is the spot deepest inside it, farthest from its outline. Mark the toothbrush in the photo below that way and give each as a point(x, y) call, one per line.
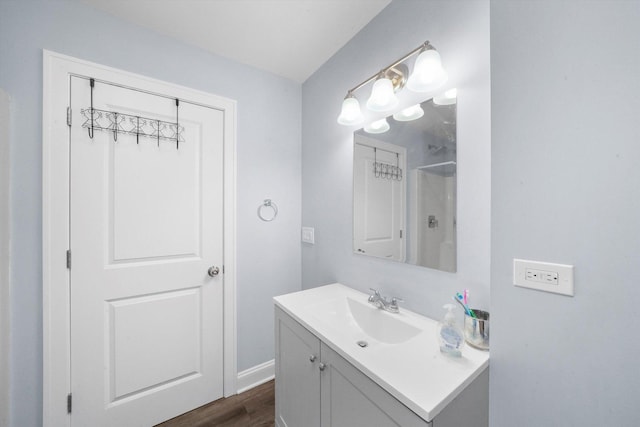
point(464, 307)
point(459, 298)
point(466, 303)
point(471, 313)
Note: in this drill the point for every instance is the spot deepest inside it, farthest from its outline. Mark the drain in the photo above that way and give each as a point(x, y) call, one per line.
point(362, 344)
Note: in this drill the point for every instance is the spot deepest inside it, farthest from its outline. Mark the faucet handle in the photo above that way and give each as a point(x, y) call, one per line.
point(374, 296)
point(395, 301)
point(375, 291)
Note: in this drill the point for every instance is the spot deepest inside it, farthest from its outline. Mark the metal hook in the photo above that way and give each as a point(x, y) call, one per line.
point(115, 127)
point(177, 125)
point(376, 166)
point(90, 130)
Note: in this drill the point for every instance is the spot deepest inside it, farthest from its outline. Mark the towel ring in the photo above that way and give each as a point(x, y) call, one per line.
point(268, 204)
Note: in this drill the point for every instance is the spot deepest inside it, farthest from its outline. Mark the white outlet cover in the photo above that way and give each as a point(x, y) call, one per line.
point(564, 274)
point(308, 235)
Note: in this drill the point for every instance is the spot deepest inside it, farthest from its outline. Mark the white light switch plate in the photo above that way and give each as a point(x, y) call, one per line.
point(308, 235)
point(543, 276)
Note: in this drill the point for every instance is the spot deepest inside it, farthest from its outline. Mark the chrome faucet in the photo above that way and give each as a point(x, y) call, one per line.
point(383, 303)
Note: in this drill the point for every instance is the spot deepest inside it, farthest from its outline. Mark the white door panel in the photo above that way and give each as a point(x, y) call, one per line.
point(378, 203)
point(138, 197)
point(153, 340)
point(146, 224)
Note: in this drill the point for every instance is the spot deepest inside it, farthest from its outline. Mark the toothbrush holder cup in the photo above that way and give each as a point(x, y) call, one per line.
point(476, 330)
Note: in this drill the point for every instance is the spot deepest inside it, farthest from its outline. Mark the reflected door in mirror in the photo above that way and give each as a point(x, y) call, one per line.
point(379, 199)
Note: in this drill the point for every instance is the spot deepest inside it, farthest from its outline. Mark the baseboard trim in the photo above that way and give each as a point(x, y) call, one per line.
point(256, 375)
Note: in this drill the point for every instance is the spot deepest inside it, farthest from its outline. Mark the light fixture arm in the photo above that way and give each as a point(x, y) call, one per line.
point(424, 46)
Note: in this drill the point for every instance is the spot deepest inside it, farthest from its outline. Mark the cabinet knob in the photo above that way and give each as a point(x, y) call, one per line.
point(322, 366)
point(312, 358)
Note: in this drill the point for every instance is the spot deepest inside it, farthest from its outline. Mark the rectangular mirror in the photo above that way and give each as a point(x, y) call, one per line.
point(404, 187)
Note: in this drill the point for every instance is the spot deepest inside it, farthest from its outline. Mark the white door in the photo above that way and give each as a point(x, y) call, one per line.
point(146, 225)
point(378, 202)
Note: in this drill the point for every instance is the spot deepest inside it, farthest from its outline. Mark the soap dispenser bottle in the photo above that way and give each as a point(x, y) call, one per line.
point(450, 335)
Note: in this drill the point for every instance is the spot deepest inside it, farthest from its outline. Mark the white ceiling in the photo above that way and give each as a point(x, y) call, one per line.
point(291, 38)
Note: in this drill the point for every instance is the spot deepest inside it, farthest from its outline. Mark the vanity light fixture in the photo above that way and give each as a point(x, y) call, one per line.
point(383, 97)
point(379, 126)
point(447, 98)
point(428, 75)
point(388, 82)
point(412, 113)
point(350, 114)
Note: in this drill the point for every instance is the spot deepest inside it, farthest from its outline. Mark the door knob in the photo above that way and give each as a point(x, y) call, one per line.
point(213, 271)
point(322, 366)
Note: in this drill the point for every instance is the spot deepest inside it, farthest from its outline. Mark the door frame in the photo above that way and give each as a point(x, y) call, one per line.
point(57, 71)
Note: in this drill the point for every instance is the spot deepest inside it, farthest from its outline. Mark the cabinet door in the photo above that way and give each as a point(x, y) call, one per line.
point(351, 399)
point(297, 374)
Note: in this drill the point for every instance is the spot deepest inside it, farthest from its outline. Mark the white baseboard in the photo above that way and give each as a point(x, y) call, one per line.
point(256, 375)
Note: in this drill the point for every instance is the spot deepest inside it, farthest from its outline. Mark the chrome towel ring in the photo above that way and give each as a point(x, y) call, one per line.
point(268, 204)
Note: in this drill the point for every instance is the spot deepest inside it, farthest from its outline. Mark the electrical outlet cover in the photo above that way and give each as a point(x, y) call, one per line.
point(543, 276)
point(308, 235)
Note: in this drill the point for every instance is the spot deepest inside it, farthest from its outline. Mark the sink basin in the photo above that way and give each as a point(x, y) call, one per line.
point(381, 325)
point(359, 318)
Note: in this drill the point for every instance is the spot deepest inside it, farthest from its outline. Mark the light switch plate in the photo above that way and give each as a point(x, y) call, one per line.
point(543, 276)
point(308, 235)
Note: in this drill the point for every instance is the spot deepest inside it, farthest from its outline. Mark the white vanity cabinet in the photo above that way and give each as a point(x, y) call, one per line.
point(341, 362)
point(350, 398)
point(297, 374)
point(316, 387)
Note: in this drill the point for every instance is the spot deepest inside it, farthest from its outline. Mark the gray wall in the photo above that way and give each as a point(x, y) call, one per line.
point(268, 167)
point(460, 32)
point(565, 188)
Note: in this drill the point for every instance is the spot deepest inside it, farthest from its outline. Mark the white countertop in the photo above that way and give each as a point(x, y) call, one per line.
point(414, 371)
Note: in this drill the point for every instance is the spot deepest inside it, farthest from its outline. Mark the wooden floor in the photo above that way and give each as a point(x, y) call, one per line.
point(253, 408)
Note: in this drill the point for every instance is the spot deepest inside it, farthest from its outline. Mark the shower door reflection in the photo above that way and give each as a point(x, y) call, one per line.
point(434, 216)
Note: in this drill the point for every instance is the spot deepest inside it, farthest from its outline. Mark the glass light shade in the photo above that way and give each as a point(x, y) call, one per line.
point(447, 98)
point(412, 113)
point(382, 97)
point(350, 113)
point(428, 73)
point(379, 126)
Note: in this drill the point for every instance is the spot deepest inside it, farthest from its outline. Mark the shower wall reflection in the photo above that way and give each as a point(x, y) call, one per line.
point(405, 190)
